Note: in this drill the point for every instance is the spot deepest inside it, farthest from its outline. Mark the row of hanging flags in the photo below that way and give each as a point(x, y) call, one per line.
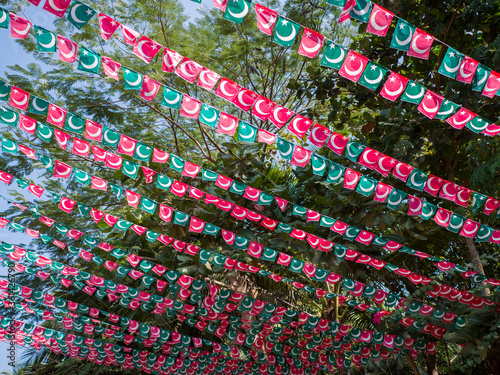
point(264, 109)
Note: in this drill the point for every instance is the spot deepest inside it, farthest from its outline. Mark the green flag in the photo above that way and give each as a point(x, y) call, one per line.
point(478, 124)
point(362, 10)
point(236, 10)
point(132, 80)
point(209, 115)
point(480, 77)
point(142, 152)
point(285, 148)
point(446, 110)
point(45, 40)
point(396, 197)
point(246, 132)
point(319, 164)
point(44, 132)
point(9, 146)
point(89, 61)
point(177, 163)
point(366, 186)
point(39, 106)
point(372, 76)
point(456, 223)
point(285, 32)
point(148, 205)
point(403, 35)
point(130, 169)
point(417, 179)
point(450, 64)
point(354, 150)
point(4, 19)
point(81, 177)
point(74, 123)
point(335, 173)
point(414, 93)
point(4, 91)
point(171, 98)
point(334, 55)
point(8, 117)
point(79, 14)
point(110, 138)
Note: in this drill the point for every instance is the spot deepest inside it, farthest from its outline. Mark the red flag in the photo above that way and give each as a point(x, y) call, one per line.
point(319, 135)
point(346, 14)
point(146, 49)
point(62, 138)
point(113, 161)
point(196, 225)
point(433, 185)
point(415, 206)
point(227, 89)
point(207, 79)
point(266, 137)
point(301, 156)
point(111, 68)
point(299, 125)
point(227, 124)
point(429, 106)
point(57, 7)
point(36, 190)
point(449, 191)
point(442, 217)
point(188, 70)
point(132, 198)
point(402, 171)
point(56, 115)
point(492, 85)
point(262, 108)
point(190, 107)
point(67, 49)
point(29, 152)
point(170, 60)
point(160, 156)
point(251, 193)
point(394, 86)
point(149, 88)
point(62, 170)
point(351, 179)
point(99, 153)
point(266, 18)
point(190, 169)
point(421, 44)
point(19, 98)
point(337, 143)
point(491, 205)
point(245, 99)
point(99, 183)
point(93, 130)
point(462, 117)
point(19, 27)
point(470, 228)
point(467, 69)
point(369, 158)
point(463, 196)
point(382, 192)
point(380, 21)
point(353, 66)
point(107, 25)
point(310, 43)
point(27, 124)
point(492, 130)
point(129, 36)
point(221, 4)
point(280, 116)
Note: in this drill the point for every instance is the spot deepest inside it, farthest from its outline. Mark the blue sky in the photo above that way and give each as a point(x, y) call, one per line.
point(13, 54)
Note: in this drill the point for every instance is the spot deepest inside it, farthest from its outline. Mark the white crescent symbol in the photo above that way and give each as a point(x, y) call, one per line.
point(294, 125)
point(174, 161)
point(180, 190)
point(138, 150)
point(211, 119)
point(443, 221)
point(165, 60)
point(462, 73)
point(355, 72)
point(176, 100)
point(430, 110)
point(242, 14)
point(21, 103)
point(208, 231)
point(397, 92)
point(415, 48)
point(417, 95)
point(183, 69)
point(315, 48)
point(480, 82)
point(114, 164)
point(51, 44)
point(289, 37)
point(100, 184)
point(57, 119)
point(152, 92)
point(374, 23)
point(250, 135)
point(63, 204)
point(91, 66)
point(10, 148)
point(73, 13)
point(161, 158)
point(137, 82)
point(132, 171)
point(462, 122)
point(22, 32)
point(446, 112)
point(105, 135)
point(113, 73)
point(407, 40)
point(192, 111)
point(238, 215)
point(133, 201)
point(486, 207)
point(97, 134)
point(459, 196)
point(149, 207)
point(320, 169)
point(223, 90)
point(276, 112)
point(456, 226)
point(338, 175)
point(40, 130)
point(303, 160)
point(264, 200)
point(469, 231)
point(430, 184)
point(288, 152)
point(139, 47)
point(51, 3)
point(376, 80)
point(366, 190)
point(363, 11)
point(182, 221)
point(338, 59)
point(489, 89)
point(384, 195)
point(266, 137)
point(420, 205)
point(450, 70)
point(70, 54)
point(67, 172)
point(269, 24)
point(202, 78)
point(4, 16)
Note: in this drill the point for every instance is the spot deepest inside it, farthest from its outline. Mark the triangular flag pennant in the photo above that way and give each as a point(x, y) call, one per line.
point(146, 49)
point(421, 44)
point(380, 21)
point(450, 64)
point(266, 18)
point(80, 14)
point(45, 40)
point(285, 32)
point(236, 10)
point(89, 61)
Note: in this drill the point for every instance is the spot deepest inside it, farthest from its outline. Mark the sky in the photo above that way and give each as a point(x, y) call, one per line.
point(13, 54)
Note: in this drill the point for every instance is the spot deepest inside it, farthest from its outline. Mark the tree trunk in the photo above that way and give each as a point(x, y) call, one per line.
point(412, 364)
point(493, 358)
point(474, 256)
point(430, 361)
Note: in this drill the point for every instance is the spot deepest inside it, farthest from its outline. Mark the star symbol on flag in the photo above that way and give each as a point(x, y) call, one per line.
point(188, 100)
point(289, 113)
point(446, 102)
point(373, 67)
point(332, 45)
point(89, 12)
point(62, 41)
point(463, 113)
point(113, 23)
point(85, 52)
point(127, 71)
point(412, 84)
point(39, 32)
point(428, 37)
point(308, 33)
point(402, 26)
point(260, 10)
point(284, 22)
point(281, 142)
point(392, 79)
point(352, 57)
point(429, 96)
point(243, 126)
point(451, 54)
